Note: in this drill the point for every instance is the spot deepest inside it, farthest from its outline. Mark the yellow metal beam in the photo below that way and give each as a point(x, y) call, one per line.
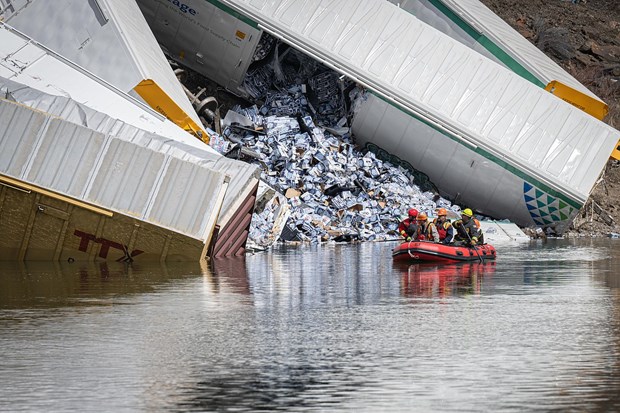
point(23, 186)
point(588, 104)
point(616, 152)
point(156, 98)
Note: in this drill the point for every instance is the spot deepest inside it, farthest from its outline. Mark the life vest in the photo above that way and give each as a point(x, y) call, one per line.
point(426, 232)
point(442, 229)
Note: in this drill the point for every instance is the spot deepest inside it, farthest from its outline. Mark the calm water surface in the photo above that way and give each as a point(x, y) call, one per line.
point(331, 328)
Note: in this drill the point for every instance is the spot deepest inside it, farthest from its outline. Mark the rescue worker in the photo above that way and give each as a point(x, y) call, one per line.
point(444, 227)
point(427, 230)
point(468, 230)
point(408, 228)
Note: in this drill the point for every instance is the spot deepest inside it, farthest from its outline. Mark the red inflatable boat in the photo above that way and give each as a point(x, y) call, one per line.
point(418, 251)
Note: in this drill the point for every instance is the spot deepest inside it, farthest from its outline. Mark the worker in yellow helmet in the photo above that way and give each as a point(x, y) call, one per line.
point(468, 230)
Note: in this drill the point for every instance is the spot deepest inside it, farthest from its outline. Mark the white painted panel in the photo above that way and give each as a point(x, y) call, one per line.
point(110, 38)
point(126, 177)
point(181, 195)
point(52, 74)
point(209, 40)
point(243, 175)
point(497, 233)
point(187, 194)
point(65, 158)
point(83, 36)
point(496, 110)
point(477, 15)
point(19, 130)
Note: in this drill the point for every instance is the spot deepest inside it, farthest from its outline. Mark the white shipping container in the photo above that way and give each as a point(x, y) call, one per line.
point(101, 170)
point(29, 63)
point(474, 25)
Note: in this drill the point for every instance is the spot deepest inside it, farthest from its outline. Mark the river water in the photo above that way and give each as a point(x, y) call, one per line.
point(317, 328)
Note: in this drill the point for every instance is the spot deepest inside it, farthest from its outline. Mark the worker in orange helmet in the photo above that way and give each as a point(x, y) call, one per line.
point(444, 227)
point(427, 230)
point(468, 230)
point(408, 227)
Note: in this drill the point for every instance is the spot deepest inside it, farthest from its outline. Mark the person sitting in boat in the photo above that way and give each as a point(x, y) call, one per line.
point(444, 227)
point(408, 227)
point(468, 230)
point(426, 229)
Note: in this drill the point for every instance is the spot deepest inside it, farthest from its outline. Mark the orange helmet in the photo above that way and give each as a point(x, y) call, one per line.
point(442, 211)
point(422, 216)
point(413, 212)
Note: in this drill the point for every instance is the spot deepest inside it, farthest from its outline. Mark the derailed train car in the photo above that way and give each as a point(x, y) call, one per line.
point(89, 173)
point(486, 137)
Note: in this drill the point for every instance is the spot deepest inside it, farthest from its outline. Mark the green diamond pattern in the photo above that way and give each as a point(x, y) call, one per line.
point(544, 208)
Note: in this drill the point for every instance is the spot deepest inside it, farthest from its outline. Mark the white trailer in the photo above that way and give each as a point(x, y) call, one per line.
point(474, 25)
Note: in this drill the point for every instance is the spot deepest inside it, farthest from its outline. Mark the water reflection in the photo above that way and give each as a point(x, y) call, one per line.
point(56, 284)
point(439, 281)
point(316, 328)
point(230, 273)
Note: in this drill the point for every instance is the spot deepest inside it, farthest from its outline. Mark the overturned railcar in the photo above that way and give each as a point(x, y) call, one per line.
point(487, 137)
point(110, 39)
point(89, 173)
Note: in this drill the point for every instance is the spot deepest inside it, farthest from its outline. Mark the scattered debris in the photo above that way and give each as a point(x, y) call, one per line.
point(321, 186)
point(334, 191)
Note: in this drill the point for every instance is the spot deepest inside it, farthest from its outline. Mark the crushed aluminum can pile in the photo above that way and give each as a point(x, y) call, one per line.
point(326, 188)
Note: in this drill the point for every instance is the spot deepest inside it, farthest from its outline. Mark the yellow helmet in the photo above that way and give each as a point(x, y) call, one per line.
point(422, 216)
point(467, 212)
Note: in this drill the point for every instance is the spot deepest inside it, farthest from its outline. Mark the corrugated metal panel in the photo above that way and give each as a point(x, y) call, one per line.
point(243, 175)
point(475, 26)
point(65, 157)
point(442, 81)
point(487, 23)
point(111, 173)
point(126, 178)
point(18, 121)
point(185, 196)
point(110, 38)
point(28, 63)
